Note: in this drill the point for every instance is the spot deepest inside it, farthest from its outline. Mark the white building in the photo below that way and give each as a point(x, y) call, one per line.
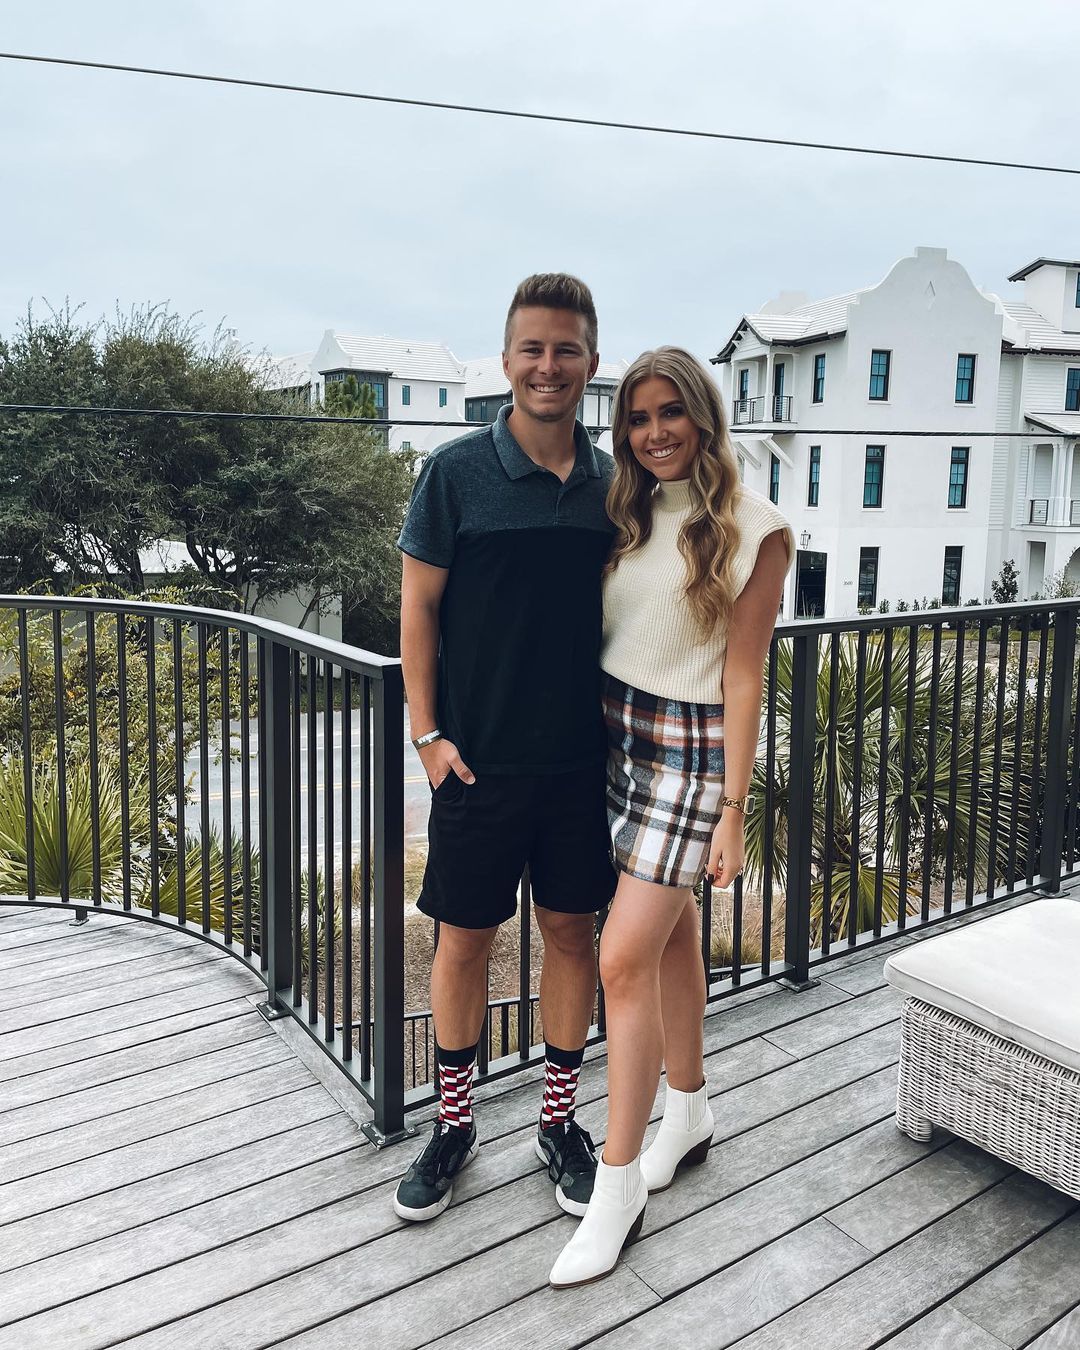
point(487, 389)
point(825, 399)
point(413, 382)
point(1035, 515)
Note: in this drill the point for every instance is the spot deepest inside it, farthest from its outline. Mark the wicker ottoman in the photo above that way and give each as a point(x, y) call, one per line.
point(990, 1044)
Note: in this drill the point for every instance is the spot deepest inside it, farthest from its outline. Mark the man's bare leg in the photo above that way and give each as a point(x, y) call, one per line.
point(459, 989)
point(568, 977)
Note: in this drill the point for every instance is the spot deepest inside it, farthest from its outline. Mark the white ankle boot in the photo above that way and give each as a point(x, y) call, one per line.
point(612, 1221)
point(683, 1138)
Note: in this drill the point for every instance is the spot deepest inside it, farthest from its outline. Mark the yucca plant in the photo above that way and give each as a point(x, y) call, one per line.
point(46, 815)
point(903, 800)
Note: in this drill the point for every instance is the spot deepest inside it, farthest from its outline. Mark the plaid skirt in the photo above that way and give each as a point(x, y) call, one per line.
point(665, 778)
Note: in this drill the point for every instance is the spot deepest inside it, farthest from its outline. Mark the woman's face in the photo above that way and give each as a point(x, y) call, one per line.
point(662, 436)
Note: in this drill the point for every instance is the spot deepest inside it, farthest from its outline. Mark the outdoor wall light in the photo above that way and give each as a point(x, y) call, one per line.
point(804, 539)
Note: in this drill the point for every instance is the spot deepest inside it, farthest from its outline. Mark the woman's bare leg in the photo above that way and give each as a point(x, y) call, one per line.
point(636, 933)
point(682, 994)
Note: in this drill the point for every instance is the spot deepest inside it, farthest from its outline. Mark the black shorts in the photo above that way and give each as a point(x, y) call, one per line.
point(481, 836)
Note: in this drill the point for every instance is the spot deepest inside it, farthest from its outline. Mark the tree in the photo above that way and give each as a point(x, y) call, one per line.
point(263, 508)
point(1005, 586)
point(346, 398)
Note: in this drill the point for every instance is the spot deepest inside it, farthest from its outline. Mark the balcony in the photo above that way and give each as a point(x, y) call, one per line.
point(764, 409)
point(1053, 511)
point(189, 1036)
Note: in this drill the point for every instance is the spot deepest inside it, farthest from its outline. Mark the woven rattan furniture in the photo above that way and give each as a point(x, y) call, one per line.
point(990, 1043)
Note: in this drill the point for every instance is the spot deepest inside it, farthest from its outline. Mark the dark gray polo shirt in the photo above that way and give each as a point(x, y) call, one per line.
point(520, 624)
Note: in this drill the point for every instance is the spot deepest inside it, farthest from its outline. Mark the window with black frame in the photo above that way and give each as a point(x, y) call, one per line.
point(814, 482)
point(880, 363)
point(958, 477)
point(874, 475)
point(965, 378)
point(819, 378)
point(868, 572)
point(950, 578)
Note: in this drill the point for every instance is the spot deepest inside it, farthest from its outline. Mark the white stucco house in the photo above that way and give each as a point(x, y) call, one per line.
point(413, 382)
point(1036, 516)
point(827, 400)
point(487, 389)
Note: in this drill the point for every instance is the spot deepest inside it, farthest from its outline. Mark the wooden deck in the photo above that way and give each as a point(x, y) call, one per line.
point(171, 1175)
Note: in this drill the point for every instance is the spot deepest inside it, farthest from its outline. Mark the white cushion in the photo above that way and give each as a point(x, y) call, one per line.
point(1016, 974)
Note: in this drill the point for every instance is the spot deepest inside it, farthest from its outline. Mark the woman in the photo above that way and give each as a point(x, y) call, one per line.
point(691, 596)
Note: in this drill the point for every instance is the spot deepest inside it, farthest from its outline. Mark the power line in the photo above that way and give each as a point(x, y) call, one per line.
point(560, 118)
point(188, 413)
point(735, 431)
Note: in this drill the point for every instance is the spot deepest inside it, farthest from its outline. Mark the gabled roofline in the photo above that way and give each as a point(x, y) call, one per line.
point(724, 355)
point(1012, 349)
point(1041, 262)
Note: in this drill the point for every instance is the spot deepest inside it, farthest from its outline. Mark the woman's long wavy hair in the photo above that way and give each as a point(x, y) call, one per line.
point(709, 537)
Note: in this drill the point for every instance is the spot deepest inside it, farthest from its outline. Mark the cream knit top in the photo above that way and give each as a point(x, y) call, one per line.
point(651, 639)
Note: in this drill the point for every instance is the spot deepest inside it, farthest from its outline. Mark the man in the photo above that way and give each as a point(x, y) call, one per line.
point(503, 549)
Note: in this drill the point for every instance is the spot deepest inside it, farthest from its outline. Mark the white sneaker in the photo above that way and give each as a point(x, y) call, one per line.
point(682, 1140)
point(612, 1221)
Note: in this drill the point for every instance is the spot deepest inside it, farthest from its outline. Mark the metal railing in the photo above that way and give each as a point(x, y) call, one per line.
point(126, 722)
point(763, 408)
point(911, 766)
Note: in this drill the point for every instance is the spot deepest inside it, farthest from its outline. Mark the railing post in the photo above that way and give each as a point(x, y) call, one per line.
point(276, 905)
point(1058, 736)
point(389, 891)
point(804, 666)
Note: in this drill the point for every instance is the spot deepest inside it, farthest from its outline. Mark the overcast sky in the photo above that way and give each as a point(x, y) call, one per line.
point(286, 214)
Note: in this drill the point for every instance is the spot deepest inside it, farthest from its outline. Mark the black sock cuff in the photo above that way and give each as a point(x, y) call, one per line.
point(565, 1059)
point(456, 1059)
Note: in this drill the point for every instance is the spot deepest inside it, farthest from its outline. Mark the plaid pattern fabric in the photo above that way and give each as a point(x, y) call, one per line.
point(664, 782)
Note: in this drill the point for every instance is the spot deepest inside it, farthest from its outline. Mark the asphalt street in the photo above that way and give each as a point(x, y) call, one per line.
point(417, 791)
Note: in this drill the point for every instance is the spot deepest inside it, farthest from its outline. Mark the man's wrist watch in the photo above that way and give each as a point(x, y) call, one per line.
point(743, 804)
point(427, 738)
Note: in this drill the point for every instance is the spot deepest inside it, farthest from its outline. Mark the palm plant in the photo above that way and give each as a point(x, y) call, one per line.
point(914, 806)
point(81, 808)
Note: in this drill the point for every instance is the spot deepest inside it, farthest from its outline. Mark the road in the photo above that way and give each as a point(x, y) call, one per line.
point(417, 792)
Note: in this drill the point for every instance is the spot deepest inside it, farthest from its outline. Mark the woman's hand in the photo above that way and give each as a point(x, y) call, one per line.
point(728, 851)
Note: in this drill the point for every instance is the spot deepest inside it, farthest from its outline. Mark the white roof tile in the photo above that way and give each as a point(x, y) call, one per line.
point(1037, 331)
point(400, 357)
point(820, 319)
point(290, 372)
point(1068, 424)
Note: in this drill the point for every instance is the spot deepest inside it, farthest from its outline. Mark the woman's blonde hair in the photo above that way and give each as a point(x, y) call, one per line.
point(709, 537)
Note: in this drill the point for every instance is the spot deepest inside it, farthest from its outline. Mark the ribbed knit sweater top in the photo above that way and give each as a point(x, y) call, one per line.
point(651, 639)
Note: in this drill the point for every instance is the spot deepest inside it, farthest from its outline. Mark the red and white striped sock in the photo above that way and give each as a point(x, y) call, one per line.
point(561, 1070)
point(455, 1086)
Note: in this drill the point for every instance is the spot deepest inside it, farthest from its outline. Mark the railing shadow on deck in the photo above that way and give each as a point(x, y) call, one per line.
point(911, 766)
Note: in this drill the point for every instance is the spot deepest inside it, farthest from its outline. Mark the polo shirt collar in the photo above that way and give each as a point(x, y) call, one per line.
point(517, 464)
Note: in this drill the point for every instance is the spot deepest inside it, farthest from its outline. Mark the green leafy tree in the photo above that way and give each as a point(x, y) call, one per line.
point(264, 509)
point(1005, 587)
point(347, 398)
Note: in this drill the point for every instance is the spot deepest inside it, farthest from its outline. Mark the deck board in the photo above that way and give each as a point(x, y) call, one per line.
point(172, 1175)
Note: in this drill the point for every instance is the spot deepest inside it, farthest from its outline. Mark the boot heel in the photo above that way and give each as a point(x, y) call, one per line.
point(635, 1228)
point(698, 1153)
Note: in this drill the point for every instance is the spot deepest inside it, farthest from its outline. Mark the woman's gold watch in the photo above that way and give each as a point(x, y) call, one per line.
point(743, 804)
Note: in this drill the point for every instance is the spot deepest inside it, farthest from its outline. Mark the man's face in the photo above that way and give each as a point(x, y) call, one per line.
point(548, 362)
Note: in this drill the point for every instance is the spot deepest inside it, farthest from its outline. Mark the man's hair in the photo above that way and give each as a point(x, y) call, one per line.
point(555, 290)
